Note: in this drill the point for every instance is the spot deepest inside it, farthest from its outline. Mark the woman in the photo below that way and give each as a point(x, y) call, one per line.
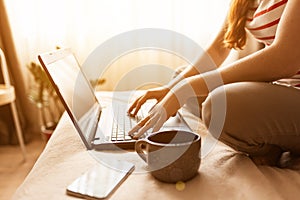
point(262, 113)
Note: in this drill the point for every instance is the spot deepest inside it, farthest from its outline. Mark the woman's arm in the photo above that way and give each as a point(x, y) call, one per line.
point(213, 56)
point(280, 60)
point(216, 53)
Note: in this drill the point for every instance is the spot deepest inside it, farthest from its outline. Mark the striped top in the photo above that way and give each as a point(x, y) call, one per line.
point(263, 19)
point(262, 23)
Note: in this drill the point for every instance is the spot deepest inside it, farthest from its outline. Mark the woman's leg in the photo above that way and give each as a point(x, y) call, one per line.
point(261, 119)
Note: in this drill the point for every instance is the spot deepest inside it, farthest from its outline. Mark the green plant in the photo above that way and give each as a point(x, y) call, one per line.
point(43, 89)
point(43, 95)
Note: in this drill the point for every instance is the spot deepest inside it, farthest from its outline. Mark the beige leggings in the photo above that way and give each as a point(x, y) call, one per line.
point(259, 118)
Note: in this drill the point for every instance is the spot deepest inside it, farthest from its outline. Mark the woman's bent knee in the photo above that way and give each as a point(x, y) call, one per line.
point(229, 117)
point(214, 110)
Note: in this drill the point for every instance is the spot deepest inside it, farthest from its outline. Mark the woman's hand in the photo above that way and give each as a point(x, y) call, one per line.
point(156, 93)
point(160, 113)
point(168, 103)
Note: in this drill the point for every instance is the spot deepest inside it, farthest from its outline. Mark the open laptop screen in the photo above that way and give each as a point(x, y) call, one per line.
point(75, 90)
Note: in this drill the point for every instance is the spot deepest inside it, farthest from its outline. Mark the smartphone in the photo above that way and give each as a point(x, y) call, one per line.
point(100, 181)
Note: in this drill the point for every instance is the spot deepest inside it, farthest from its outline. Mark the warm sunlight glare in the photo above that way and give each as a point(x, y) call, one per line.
point(41, 25)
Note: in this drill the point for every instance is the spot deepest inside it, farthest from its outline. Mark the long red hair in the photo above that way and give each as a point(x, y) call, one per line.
point(235, 35)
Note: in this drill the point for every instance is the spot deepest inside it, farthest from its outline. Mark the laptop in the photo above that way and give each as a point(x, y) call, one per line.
point(97, 125)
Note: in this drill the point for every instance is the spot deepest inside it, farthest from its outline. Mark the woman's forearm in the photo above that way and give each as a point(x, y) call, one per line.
point(209, 60)
point(264, 66)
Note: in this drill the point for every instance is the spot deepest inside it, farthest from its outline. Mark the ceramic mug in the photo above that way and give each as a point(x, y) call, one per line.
point(171, 156)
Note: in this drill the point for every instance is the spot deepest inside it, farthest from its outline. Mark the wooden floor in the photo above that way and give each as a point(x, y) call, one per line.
point(13, 169)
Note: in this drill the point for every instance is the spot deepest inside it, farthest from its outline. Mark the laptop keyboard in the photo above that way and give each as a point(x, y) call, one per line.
point(123, 123)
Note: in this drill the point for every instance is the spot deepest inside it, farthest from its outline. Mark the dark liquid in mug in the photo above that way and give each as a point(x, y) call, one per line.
point(180, 137)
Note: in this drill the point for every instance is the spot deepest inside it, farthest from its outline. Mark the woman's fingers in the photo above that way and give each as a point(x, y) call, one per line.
point(144, 125)
point(157, 93)
point(143, 129)
point(133, 105)
point(137, 104)
point(159, 123)
point(138, 126)
point(158, 114)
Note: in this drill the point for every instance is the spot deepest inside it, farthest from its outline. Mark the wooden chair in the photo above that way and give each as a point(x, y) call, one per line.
point(7, 96)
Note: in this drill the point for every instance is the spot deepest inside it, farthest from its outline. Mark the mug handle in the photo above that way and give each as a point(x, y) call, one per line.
point(140, 149)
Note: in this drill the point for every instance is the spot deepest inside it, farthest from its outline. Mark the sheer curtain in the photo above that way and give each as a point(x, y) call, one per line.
point(41, 25)
point(7, 126)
